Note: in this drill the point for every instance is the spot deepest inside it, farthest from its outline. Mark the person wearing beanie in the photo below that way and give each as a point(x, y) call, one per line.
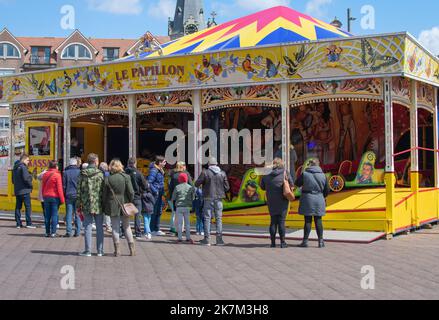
point(70, 185)
point(215, 187)
point(183, 195)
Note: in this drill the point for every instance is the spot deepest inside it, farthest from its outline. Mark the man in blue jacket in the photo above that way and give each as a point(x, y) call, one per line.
point(22, 180)
point(70, 184)
point(156, 181)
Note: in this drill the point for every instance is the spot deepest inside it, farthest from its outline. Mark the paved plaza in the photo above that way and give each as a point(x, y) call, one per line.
point(405, 268)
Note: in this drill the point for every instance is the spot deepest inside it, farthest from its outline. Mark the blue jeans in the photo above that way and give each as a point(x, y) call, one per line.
point(70, 213)
point(147, 223)
point(213, 209)
point(88, 230)
point(200, 220)
point(51, 206)
point(173, 223)
point(25, 198)
point(157, 213)
point(184, 216)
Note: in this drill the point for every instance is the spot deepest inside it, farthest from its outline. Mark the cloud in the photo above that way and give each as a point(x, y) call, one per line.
point(162, 9)
point(430, 39)
point(317, 8)
point(129, 7)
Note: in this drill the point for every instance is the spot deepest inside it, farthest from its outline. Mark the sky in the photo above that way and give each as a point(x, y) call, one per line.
point(132, 18)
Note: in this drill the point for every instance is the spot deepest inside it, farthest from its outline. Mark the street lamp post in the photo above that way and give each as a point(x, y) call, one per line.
point(350, 19)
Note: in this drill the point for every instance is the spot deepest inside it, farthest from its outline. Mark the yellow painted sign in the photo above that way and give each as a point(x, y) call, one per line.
point(313, 61)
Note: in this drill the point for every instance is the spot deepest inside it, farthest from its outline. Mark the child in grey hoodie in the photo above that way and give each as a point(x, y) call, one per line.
point(183, 195)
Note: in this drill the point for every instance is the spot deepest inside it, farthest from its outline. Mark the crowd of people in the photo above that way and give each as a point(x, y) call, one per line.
point(95, 195)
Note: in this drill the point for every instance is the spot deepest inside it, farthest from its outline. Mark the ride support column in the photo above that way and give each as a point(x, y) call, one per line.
point(11, 152)
point(285, 125)
point(67, 132)
point(414, 144)
point(436, 146)
point(196, 131)
point(132, 120)
point(390, 163)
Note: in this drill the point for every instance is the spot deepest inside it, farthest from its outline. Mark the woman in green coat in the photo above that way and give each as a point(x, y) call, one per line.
point(118, 185)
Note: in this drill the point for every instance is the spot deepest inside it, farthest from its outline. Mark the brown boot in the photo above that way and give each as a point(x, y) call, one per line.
point(117, 250)
point(132, 249)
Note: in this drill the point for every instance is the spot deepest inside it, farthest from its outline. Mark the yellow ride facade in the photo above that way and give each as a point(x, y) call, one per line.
point(387, 79)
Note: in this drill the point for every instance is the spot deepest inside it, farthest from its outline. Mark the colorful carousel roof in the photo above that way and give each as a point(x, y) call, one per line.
point(268, 27)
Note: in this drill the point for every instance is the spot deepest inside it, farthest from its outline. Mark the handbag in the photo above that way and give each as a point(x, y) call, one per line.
point(288, 193)
point(128, 209)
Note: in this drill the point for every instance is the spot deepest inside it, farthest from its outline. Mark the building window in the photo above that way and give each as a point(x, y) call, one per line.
point(8, 50)
point(4, 123)
point(40, 55)
point(5, 72)
point(111, 54)
point(76, 51)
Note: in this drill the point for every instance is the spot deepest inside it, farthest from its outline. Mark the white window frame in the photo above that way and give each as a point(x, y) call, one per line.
point(7, 69)
point(4, 43)
point(3, 120)
point(76, 52)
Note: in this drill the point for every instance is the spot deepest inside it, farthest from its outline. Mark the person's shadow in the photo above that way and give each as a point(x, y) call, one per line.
point(55, 253)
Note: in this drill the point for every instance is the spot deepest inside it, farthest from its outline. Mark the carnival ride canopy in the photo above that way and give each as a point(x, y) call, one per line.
point(277, 25)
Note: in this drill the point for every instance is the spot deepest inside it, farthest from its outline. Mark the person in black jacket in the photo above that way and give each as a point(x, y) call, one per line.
point(278, 205)
point(215, 186)
point(22, 180)
point(139, 185)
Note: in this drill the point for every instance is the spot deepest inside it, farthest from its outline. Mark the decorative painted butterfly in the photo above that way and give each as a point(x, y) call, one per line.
point(372, 59)
point(272, 69)
point(293, 64)
point(217, 69)
point(206, 62)
point(67, 81)
point(52, 87)
point(41, 89)
point(200, 75)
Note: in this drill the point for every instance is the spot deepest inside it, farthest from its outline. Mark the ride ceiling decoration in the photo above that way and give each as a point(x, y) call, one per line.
point(277, 25)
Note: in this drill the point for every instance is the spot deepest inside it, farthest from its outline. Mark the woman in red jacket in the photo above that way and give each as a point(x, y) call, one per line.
point(53, 195)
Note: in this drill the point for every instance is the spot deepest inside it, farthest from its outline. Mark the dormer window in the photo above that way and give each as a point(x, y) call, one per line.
point(77, 52)
point(8, 50)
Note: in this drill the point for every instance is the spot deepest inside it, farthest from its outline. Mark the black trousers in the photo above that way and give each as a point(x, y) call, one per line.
point(278, 225)
point(308, 226)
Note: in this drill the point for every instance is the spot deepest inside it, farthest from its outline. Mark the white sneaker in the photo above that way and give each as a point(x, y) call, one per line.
point(93, 226)
point(31, 227)
point(148, 236)
point(161, 234)
point(202, 234)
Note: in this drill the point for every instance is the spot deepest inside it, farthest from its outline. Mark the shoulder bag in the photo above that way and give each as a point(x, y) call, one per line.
point(288, 192)
point(128, 209)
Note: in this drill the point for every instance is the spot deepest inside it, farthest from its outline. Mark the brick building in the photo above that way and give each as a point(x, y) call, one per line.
point(23, 54)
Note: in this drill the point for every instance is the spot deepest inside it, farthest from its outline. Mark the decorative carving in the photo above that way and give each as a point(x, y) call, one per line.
point(402, 92)
point(218, 98)
point(356, 90)
point(426, 96)
point(48, 109)
point(103, 105)
point(177, 101)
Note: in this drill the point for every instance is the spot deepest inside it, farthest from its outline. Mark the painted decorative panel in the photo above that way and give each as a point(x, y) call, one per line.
point(176, 101)
point(264, 95)
point(103, 105)
point(312, 92)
